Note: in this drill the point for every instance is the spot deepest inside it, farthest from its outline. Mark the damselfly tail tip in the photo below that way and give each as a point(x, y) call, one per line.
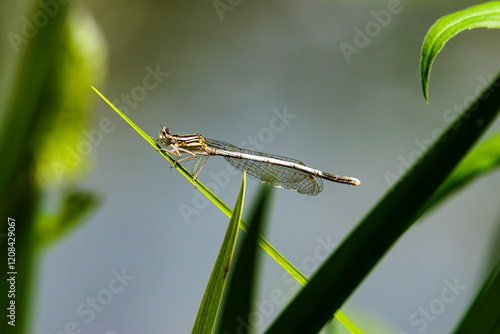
point(355, 182)
point(341, 179)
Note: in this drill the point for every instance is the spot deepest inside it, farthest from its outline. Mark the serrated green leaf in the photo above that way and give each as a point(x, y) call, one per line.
point(342, 272)
point(241, 289)
point(486, 15)
point(207, 314)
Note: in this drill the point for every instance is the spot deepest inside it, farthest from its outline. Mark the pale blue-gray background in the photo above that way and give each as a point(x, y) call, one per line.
point(359, 118)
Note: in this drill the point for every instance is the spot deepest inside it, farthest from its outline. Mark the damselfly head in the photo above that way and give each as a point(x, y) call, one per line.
point(165, 136)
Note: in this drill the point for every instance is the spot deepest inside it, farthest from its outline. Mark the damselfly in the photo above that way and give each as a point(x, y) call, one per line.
point(275, 170)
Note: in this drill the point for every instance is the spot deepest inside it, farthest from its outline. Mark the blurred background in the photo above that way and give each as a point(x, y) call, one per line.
point(297, 79)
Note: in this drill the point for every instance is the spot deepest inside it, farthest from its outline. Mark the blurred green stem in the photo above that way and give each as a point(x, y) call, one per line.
point(19, 193)
point(22, 207)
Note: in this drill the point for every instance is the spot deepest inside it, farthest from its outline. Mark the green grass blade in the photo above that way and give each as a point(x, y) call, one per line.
point(263, 243)
point(483, 315)
point(389, 219)
point(242, 286)
point(344, 320)
point(486, 15)
point(132, 124)
point(207, 314)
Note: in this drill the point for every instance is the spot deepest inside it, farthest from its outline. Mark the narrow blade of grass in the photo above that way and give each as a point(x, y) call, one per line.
point(241, 289)
point(486, 15)
point(207, 314)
